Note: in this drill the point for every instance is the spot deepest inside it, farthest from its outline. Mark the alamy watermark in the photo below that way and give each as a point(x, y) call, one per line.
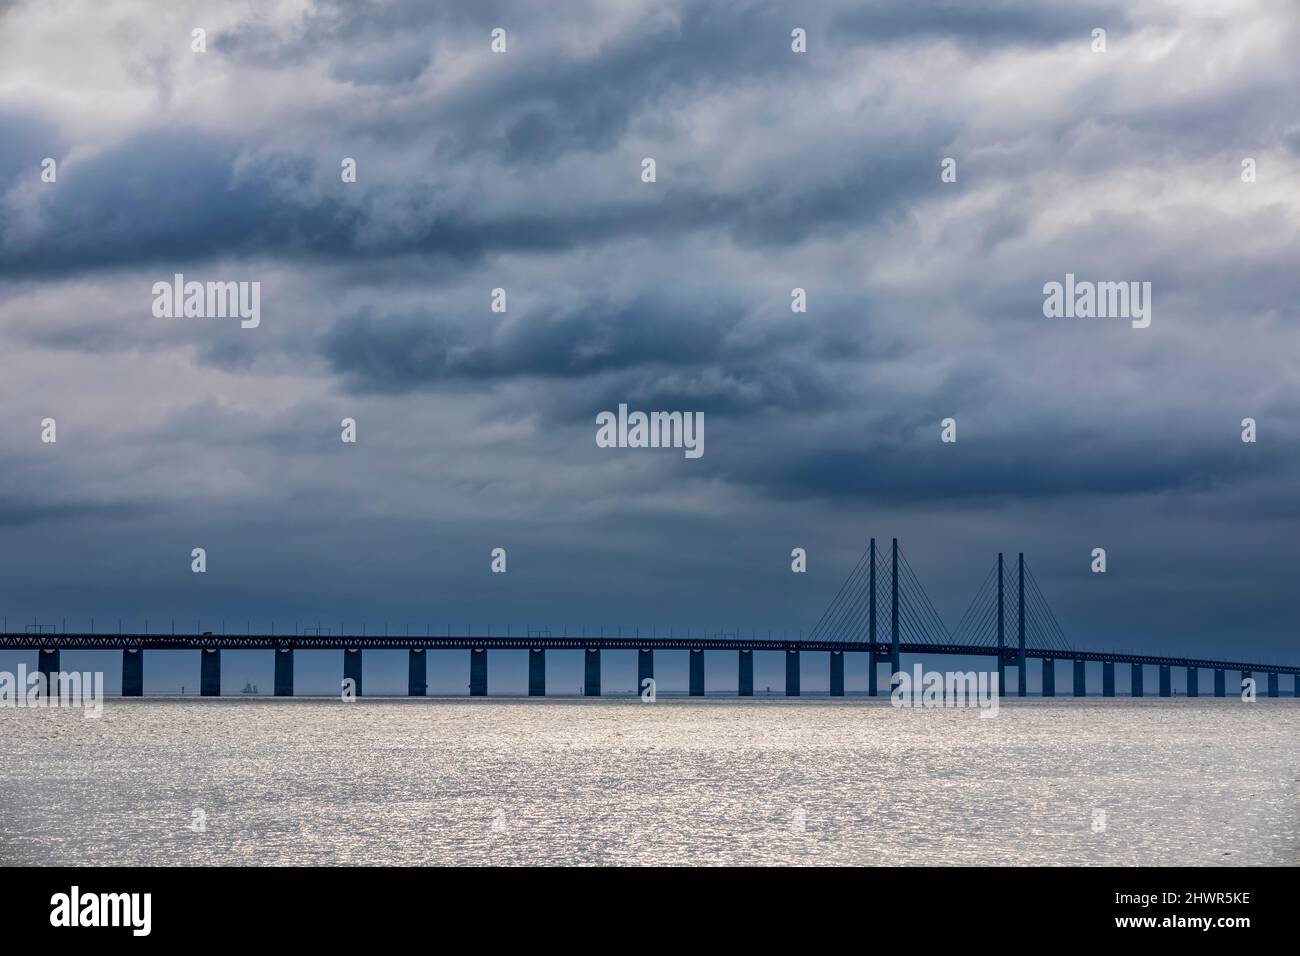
point(932, 689)
point(1098, 300)
point(63, 689)
point(130, 910)
point(179, 299)
point(651, 430)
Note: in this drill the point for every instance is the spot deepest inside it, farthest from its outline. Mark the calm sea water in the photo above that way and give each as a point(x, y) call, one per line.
point(229, 781)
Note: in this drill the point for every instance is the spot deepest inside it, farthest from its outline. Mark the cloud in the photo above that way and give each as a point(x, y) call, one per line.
point(776, 170)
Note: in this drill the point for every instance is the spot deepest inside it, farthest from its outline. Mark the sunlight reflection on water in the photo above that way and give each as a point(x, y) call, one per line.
point(676, 782)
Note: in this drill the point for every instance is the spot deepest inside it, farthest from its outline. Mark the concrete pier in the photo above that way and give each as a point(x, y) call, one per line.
point(1135, 681)
point(417, 672)
point(697, 672)
point(537, 672)
point(1049, 677)
point(746, 674)
point(133, 672)
point(47, 664)
point(872, 675)
point(210, 672)
point(1220, 683)
point(1193, 682)
point(352, 668)
point(478, 672)
point(1020, 628)
point(1080, 679)
point(283, 685)
point(1272, 685)
point(591, 672)
point(895, 652)
point(645, 670)
point(1002, 664)
point(1107, 678)
point(837, 673)
point(791, 673)
point(1166, 681)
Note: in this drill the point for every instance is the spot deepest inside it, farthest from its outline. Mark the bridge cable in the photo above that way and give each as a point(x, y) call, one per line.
point(978, 598)
point(1042, 598)
point(983, 623)
point(928, 616)
point(845, 616)
point(838, 594)
point(980, 620)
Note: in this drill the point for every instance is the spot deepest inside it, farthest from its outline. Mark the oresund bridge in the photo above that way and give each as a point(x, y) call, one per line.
point(880, 610)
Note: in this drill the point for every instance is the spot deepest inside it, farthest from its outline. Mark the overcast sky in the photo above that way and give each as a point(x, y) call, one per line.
point(775, 170)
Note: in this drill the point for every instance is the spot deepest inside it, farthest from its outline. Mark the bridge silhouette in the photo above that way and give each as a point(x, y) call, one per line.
point(880, 610)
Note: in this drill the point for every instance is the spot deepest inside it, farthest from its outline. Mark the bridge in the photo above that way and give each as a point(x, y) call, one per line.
point(880, 610)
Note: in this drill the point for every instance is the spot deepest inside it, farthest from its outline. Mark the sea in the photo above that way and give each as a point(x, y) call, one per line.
point(685, 781)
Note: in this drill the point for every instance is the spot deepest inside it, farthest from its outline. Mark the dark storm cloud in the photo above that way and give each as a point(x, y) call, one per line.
point(167, 195)
point(188, 201)
point(1009, 468)
point(188, 198)
point(354, 29)
point(193, 193)
point(1021, 22)
point(775, 171)
point(398, 354)
point(32, 512)
point(27, 140)
point(653, 351)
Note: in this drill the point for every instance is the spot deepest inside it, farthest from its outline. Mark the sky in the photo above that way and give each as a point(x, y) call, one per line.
point(522, 170)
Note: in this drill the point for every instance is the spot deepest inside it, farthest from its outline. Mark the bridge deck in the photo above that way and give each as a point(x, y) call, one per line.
point(1009, 655)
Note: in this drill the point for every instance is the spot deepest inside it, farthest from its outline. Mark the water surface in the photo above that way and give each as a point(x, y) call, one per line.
point(683, 781)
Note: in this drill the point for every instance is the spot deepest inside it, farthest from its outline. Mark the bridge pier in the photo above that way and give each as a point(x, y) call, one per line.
point(791, 673)
point(1166, 682)
point(1020, 624)
point(746, 665)
point(1296, 690)
point(352, 668)
point(210, 672)
point(837, 673)
point(283, 672)
point(478, 672)
point(1022, 678)
point(133, 672)
point(696, 657)
point(591, 672)
point(1272, 684)
point(47, 665)
point(1080, 679)
point(1220, 683)
point(537, 672)
point(1135, 681)
point(645, 669)
point(1002, 676)
point(873, 673)
point(895, 652)
point(417, 672)
point(1107, 678)
point(1193, 682)
point(1049, 677)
